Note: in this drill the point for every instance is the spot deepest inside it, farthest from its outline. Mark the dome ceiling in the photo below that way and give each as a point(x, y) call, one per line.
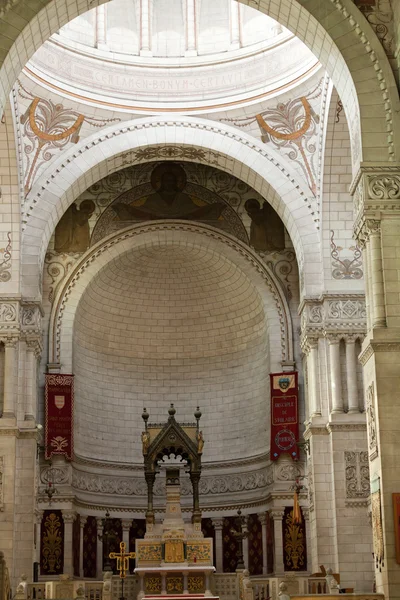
point(172, 58)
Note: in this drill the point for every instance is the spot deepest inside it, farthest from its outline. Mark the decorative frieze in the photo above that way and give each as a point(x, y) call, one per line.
point(125, 486)
point(332, 315)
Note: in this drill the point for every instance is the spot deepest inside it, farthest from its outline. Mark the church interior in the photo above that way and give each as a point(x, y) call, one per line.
point(199, 299)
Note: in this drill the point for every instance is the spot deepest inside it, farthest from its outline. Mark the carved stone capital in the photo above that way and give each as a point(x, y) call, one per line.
point(126, 524)
point(69, 516)
point(217, 524)
point(262, 517)
point(276, 514)
point(9, 342)
point(82, 521)
point(39, 515)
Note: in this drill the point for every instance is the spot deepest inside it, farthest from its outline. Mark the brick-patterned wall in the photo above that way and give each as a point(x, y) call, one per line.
point(170, 322)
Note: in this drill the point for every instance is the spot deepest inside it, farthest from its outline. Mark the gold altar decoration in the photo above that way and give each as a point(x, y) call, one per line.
point(122, 559)
point(198, 552)
point(52, 548)
point(153, 584)
point(149, 552)
point(174, 584)
point(294, 543)
point(196, 584)
point(174, 551)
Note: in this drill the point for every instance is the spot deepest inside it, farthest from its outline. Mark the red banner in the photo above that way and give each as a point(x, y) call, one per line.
point(59, 401)
point(284, 418)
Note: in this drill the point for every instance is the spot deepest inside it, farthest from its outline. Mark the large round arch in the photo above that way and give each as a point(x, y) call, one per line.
point(143, 140)
point(280, 329)
point(334, 30)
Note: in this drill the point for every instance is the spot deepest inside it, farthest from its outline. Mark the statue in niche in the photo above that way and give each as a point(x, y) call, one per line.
point(72, 233)
point(266, 230)
point(169, 201)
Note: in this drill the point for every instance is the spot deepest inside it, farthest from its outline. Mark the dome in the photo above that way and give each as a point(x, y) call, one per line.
point(170, 322)
point(170, 59)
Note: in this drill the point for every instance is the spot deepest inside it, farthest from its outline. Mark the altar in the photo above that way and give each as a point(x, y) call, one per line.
point(174, 558)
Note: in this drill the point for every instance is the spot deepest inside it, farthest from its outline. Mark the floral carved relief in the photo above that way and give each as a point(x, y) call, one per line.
point(371, 423)
point(357, 474)
point(5, 260)
point(346, 262)
point(382, 187)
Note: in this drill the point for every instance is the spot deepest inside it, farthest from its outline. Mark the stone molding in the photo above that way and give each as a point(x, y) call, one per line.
point(332, 428)
point(136, 156)
point(366, 38)
point(373, 347)
point(218, 488)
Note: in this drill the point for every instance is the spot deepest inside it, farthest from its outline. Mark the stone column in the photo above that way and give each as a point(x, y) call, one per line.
point(126, 526)
point(235, 25)
point(99, 553)
point(378, 291)
point(219, 549)
point(335, 375)
point(306, 515)
point(163, 583)
point(185, 582)
point(69, 518)
point(262, 517)
point(9, 407)
point(351, 375)
point(145, 28)
point(82, 523)
point(191, 37)
point(245, 546)
point(277, 516)
point(313, 378)
point(39, 517)
point(32, 354)
point(101, 27)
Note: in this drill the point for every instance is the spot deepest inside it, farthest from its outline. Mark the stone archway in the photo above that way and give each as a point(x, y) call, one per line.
point(66, 303)
point(140, 141)
point(334, 30)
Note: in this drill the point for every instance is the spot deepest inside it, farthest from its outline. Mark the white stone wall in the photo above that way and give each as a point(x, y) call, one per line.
point(170, 323)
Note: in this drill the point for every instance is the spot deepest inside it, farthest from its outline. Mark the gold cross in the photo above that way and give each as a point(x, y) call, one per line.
point(122, 559)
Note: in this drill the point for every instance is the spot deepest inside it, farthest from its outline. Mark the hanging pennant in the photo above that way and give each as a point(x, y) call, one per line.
point(59, 400)
point(284, 419)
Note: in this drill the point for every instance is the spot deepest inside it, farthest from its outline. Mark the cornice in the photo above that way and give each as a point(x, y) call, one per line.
point(19, 433)
point(374, 347)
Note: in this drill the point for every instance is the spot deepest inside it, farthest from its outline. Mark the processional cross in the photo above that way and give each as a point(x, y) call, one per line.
point(122, 563)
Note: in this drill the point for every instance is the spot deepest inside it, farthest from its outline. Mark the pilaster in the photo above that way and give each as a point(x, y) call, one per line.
point(262, 517)
point(376, 194)
point(219, 550)
point(82, 523)
point(277, 516)
point(69, 518)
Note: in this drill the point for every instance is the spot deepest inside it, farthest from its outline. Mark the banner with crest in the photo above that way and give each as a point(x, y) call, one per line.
point(284, 417)
point(59, 402)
